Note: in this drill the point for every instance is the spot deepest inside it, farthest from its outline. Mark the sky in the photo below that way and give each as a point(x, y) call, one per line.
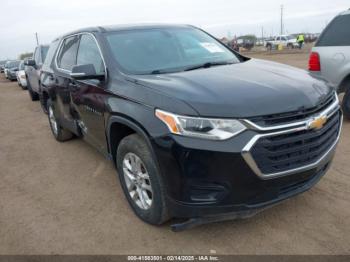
point(20, 19)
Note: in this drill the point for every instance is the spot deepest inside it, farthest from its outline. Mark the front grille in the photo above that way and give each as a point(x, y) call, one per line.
point(293, 150)
point(285, 118)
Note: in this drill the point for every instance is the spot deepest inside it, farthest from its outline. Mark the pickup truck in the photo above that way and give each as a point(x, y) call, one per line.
point(284, 40)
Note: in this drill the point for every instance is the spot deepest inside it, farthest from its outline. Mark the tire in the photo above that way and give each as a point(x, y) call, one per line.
point(33, 95)
point(156, 211)
point(346, 103)
point(61, 134)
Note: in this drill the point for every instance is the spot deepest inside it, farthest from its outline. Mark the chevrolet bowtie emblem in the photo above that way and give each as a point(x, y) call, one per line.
point(317, 123)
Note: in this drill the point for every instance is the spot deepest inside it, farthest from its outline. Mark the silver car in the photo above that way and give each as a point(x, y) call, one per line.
point(21, 76)
point(330, 58)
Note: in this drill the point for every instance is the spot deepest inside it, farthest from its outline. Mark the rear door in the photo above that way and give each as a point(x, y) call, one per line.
point(88, 96)
point(47, 77)
point(333, 47)
point(31, 71)
point(65, 60)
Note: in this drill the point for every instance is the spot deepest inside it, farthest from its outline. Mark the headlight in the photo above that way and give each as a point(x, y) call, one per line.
point(206, 128)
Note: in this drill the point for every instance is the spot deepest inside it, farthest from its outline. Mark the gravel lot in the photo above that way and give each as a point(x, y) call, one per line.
point(64, 198)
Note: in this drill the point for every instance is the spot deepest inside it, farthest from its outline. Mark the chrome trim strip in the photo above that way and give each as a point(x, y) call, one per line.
point(77, 74)
point(252, 164)
point(326, 112)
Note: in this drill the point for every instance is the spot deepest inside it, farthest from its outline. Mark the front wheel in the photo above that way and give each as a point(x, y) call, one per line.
point(61, 134)
point(141, 181)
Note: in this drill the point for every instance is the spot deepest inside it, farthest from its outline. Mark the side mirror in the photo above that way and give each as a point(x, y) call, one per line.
point(29, 62)
point(84, 72)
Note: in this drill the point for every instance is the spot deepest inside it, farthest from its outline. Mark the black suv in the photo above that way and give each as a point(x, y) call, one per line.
point(33, 70)
point(195, 130)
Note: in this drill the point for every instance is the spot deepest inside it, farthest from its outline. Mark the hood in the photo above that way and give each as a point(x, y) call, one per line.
point(252, 88)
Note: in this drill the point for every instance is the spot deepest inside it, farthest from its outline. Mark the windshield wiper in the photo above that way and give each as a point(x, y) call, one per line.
point(207, 65)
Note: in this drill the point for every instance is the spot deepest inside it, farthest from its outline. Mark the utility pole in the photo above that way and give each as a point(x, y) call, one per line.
point(281, 19)
point(262, 33)
point(37, 39)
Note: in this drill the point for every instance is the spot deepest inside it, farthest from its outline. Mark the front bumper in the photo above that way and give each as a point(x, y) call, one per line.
point(244, 211)
point(205, 183)
point(213, 178)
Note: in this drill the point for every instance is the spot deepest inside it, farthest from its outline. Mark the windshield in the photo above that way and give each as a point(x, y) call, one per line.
point(166, 50)
point(12, 64)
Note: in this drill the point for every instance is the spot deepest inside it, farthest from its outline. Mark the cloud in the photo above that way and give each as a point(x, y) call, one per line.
point(50, 18)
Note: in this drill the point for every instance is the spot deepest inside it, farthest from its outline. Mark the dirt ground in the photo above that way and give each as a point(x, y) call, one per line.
point(64, 198)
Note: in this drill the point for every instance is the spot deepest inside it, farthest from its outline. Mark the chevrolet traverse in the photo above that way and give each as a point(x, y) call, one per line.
point(196, 130)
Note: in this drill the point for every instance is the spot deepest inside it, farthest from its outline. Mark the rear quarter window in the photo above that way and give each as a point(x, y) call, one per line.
point(50, 55)
point(337, 33)
point(68, 53)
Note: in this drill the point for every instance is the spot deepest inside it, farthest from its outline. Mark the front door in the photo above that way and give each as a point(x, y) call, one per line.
point(88, 96)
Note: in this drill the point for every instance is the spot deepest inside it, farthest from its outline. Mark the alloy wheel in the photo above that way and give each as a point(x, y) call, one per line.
point(53, 121)
point(137, 181)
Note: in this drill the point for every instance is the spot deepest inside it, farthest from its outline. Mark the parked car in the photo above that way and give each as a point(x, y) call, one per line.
point(33, 69)
point(7, 64)
point(201, 132)
point(11, 67)
point(284, 40)
point(21, 76)
point(330, 57)
point(245, 43)
point(2, 65)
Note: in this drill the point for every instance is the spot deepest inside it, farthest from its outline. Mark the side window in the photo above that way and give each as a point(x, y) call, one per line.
point(67, 56)
point(278, 38)
point(50, 54)
point(88, 53)
point(37, 55)
point(284, 39)
point(44, 50)
point(337, 33)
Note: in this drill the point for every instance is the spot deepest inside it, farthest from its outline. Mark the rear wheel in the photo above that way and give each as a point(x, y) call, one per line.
point(33, 95)
point(61, 134)
point(346, 103)
point(141, 180)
